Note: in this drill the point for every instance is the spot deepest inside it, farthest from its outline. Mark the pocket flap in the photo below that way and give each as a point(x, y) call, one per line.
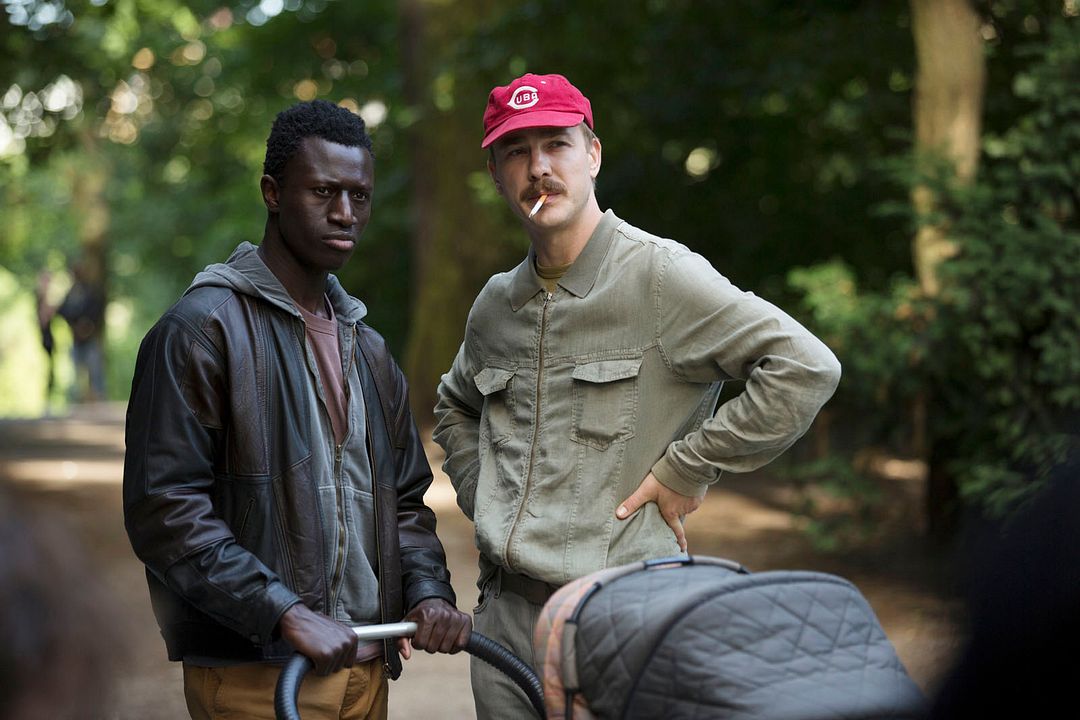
point(607, 370)
point(491, 380)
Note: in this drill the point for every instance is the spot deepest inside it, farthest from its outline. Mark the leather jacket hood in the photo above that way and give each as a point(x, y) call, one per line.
point(220, 483)
point(246, 273)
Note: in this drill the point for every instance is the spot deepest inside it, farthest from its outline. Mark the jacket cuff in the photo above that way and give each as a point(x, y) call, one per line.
point(672, 479)
point(275, 602)
point(425, 589)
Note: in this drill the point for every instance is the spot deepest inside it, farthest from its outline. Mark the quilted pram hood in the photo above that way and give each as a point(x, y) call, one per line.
point(702, 638)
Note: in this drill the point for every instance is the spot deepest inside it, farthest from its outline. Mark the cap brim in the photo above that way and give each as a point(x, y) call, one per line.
point(523, 121)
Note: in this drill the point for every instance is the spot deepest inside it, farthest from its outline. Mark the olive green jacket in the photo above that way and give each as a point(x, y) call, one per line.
point(558, 405)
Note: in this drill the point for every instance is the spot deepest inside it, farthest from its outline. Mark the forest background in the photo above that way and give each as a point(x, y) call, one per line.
point(904, 177)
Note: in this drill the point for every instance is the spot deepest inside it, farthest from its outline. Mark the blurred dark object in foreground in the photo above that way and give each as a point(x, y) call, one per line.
point(58, 633)
point(1024, 602)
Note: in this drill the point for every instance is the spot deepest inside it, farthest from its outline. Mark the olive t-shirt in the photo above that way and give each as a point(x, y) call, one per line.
point(550, 275)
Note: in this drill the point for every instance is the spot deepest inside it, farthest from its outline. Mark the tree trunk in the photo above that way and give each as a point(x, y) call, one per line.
point(453, 250)
point(415, 81)
point(947, 109)
point(89, 179)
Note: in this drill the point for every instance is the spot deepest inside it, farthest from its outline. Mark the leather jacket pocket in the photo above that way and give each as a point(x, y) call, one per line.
point(244, 520)
point(497, 417)
point(605, 401)
point(245, 505)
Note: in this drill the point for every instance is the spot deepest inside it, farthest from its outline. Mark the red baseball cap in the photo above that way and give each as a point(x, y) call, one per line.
point(534, 101)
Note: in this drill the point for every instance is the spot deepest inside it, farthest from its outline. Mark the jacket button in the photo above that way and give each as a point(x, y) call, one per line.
point(254, 638)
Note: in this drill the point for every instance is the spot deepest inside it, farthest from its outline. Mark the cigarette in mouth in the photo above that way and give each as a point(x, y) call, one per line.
point(537, 206)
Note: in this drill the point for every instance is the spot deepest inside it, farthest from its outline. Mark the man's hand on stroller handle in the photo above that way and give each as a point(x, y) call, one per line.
point(440, 627)
point(330, 645)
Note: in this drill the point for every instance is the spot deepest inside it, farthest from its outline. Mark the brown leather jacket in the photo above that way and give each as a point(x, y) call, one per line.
point(219, 489)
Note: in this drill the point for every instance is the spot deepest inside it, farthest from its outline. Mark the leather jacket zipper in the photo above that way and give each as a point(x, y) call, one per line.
point(338, 577)
point(339, 552)
point(536, 432)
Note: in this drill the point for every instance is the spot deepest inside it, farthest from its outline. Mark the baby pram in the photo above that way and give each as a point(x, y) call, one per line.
point(701, 637)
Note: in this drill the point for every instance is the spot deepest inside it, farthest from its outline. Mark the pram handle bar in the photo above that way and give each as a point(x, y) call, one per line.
point(479, 646)
point(692, 560)
point(382, 632)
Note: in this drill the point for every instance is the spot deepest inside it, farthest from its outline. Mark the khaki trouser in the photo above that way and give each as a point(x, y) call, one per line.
point(246, 692)
point(508, 619)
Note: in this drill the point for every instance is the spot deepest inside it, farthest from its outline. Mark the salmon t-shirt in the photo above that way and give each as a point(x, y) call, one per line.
point(322, 337)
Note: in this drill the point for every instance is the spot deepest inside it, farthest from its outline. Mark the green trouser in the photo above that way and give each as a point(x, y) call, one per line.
point(508, 619)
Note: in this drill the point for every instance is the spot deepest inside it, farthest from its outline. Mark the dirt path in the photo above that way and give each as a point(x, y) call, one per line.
point(74, 465)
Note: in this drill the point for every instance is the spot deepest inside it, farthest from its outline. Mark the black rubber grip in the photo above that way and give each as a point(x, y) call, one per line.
point(511, 665)
point(479, 646)
point(288, 687)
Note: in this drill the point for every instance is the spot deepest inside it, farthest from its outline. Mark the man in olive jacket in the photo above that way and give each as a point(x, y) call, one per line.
point(274, 479)
point(580, 417)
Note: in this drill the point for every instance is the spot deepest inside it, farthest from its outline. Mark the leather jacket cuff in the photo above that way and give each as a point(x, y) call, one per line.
point(273, 605)
point(428, 589)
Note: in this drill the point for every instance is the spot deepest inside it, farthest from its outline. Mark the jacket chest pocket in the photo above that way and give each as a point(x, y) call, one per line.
point(497, 416)
point(605, 401)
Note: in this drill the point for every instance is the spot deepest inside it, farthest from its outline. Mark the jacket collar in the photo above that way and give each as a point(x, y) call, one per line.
point(581, 276)
point(245, 272)
point(348, 309)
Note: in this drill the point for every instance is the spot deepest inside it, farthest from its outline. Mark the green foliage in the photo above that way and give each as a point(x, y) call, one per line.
point(1008, 350)
point(40, 232)
point(878, 336)
point(997, 354)
point(840, 506)
point(23, 361)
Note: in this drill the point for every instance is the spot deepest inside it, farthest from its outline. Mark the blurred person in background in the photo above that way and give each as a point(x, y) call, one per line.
point(84, 310)
point(45, 313)
point(274, 478)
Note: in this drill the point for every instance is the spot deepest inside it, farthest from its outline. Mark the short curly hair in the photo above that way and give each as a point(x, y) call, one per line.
point(317, 118)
